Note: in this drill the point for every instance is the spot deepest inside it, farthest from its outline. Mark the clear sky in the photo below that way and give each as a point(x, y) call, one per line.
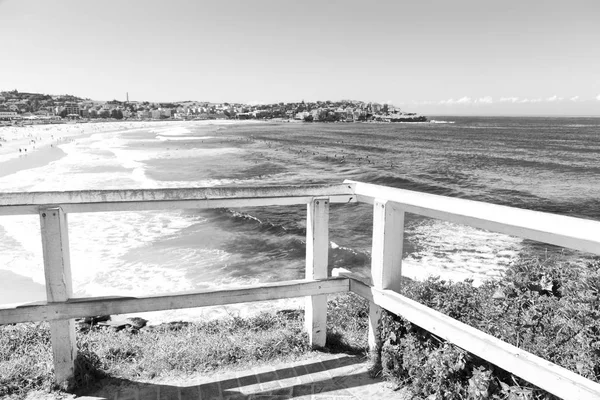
point(430, 56)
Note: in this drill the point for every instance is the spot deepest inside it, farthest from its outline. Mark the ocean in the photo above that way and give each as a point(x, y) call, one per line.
point(544, 164)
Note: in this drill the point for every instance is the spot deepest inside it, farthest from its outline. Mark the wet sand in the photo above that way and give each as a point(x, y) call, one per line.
point(34, 159)
point(20, 290)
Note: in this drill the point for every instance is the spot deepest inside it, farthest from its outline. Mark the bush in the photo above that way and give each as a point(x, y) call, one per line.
point(347, 323)
point(544, 307)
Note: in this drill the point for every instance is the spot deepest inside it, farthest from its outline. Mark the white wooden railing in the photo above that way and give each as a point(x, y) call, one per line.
point(389, 207)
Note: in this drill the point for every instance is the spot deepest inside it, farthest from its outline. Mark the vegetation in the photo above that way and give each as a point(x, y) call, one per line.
point(544, 307)
point(31, 102)
point(178, 348)
point(548, 308)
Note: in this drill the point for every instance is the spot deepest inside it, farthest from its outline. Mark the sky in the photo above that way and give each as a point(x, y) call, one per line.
point(435, 57)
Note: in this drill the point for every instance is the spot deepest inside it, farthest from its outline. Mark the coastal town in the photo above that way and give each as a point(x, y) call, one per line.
point(22, 107)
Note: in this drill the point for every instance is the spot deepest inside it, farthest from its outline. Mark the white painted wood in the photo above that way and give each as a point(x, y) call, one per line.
point(374, 335)
point(83, 307)
point(95, 200)
point(536, 370)
point(574, 233)
point(317, 253)
point(315, 319)
point(57, 270)
point(174, 204)
point(386, 259)
point(388, 237)
point(171, 194)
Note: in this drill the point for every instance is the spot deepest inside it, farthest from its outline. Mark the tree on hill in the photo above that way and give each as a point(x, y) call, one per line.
point(116, 114)
point(35, 104)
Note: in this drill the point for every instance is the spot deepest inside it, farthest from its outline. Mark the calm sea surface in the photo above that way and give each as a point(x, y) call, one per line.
point(544, 164)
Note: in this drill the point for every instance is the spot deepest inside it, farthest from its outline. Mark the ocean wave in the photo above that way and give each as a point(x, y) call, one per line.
point(433, 121)
point(407, 183)
point(244, 221)
point(454, 251)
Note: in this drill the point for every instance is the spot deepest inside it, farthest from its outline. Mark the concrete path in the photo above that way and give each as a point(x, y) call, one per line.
point(323, 376)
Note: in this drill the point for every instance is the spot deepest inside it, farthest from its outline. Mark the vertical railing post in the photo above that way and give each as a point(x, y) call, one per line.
point(386, 259)
point(317, 250)
point(57, 269)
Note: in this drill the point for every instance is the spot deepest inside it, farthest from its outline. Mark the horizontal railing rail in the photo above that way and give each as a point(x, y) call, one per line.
point(574, 233)
point(86, 306)
point(173, 199)
point(389, 208)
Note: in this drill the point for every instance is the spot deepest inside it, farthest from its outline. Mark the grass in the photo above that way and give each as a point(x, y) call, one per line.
point(177, 349)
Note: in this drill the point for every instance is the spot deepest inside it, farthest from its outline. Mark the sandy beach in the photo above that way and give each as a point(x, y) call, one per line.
point(32, 146)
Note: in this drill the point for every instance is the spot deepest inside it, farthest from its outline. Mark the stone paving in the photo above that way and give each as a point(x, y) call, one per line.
point(324, 376)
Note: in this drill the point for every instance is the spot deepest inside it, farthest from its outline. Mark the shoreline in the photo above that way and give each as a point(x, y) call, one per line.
point(29, 137)
point(34, 146)
point(33, 159)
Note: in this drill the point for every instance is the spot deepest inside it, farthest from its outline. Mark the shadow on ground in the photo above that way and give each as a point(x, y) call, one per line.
point(332, 376)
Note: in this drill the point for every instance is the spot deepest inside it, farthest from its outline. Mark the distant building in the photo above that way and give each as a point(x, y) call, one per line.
point(72, 108)
point(340, 114)
point(244, 115)
point(261, 113)
point(8, 115)
point(349, 115)
point(143, 114)
point(43, 113)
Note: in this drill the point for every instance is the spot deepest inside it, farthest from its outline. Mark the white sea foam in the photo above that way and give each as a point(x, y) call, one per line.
point(107, 250)
point(99, 241)
point(458, 252)
point(178, 138)
point(171, 131)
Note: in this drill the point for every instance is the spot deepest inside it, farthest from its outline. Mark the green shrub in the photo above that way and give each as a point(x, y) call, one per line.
point(544, 307)
point(347, 323)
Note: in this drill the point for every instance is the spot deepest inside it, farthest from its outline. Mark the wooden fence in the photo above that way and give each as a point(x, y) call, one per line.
point(389, 208)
